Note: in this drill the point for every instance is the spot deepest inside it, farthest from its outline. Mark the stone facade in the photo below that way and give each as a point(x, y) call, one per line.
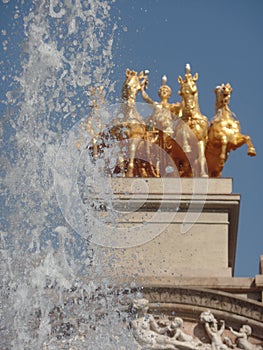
point(186, 273)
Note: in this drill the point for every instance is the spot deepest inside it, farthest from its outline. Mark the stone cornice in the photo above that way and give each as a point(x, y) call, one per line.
point(190, 302)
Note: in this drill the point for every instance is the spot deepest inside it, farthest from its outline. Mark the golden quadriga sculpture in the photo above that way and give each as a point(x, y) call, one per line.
point(176, 140)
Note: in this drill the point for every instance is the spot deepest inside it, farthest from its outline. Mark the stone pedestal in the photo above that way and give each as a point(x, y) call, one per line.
point(169, 228)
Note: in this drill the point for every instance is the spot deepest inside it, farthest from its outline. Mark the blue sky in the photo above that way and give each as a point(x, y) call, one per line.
point(222, 40)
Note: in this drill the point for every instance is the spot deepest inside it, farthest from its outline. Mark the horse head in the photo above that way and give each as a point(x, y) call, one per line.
point(133, 83)
point(188, 91)
point(223, 94)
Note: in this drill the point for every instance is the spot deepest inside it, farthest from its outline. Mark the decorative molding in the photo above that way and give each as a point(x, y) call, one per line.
point(191, 302)
point(207, 298)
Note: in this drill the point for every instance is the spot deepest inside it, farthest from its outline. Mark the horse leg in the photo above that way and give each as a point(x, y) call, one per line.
point(121, 159)
point(95, 148)
point(132, 149)
point(241, 140)
point(202, 159)
point(251, 151)
point(222, 157)
point(152, 172)
point(186, 146)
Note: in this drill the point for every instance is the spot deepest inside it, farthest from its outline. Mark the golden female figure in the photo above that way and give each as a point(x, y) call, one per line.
point(160, 130)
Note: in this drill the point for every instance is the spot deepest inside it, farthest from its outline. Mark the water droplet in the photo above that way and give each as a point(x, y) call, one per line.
point(169, 169)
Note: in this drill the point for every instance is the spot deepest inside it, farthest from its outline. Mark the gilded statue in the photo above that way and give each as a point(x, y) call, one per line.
point(175, 140)
point(224, 133)
point(192, 128)
point(162, 117)
point(160, 130)
point(129, 127)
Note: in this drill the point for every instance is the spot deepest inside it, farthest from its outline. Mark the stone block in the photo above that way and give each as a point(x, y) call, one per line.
point(170, 227)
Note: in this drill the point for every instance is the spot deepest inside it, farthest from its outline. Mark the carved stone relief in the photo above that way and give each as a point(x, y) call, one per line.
point(167, 332)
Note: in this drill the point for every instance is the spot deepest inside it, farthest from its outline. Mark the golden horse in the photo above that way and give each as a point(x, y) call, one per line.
point(224, 133)
point(129, 129)
point(191, 130)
